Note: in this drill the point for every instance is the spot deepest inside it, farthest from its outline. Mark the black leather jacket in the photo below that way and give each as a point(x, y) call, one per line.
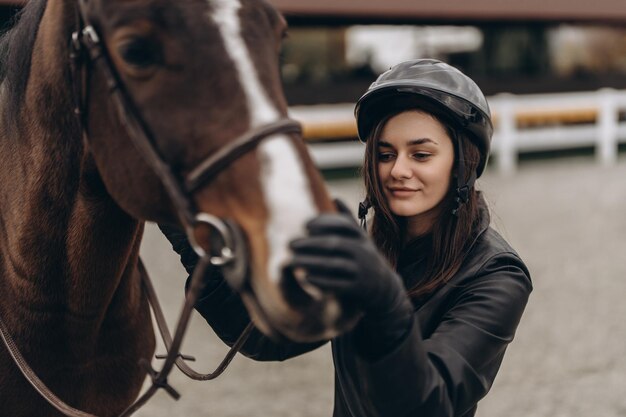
point(448, 361)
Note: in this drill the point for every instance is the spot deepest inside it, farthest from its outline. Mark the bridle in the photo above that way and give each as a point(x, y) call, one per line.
point(228, 248)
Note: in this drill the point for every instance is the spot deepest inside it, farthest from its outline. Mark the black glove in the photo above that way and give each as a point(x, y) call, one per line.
point(337, 256)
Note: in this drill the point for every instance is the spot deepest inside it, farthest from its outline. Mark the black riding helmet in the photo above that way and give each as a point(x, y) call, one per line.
point(435, 83)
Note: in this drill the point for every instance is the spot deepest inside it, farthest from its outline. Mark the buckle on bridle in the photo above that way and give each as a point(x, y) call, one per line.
point(228, 250)
point(87, 37)
point(91, 36)
point(159, 381)
point(225, 254)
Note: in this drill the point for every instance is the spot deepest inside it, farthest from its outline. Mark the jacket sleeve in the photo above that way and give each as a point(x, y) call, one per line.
point(447, 373)
point(224, 311)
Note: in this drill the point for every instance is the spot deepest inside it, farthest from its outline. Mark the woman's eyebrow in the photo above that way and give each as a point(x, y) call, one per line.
point(420, 141)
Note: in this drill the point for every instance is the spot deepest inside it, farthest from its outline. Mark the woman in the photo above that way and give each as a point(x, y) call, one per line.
point(442, 293)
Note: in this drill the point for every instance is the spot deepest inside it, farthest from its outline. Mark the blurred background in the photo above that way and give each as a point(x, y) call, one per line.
point(555, 74)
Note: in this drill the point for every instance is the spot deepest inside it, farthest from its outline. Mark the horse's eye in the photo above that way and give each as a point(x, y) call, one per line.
point(141, 53)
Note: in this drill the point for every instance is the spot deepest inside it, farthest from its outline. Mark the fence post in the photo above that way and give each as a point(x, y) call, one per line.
point(608, 119)
point(506, 134)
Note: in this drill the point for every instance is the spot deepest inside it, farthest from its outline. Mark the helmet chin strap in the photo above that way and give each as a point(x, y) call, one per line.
point(463, 188)
point(364, 207)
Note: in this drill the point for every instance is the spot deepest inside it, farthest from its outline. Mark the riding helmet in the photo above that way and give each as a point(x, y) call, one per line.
point(435, 82)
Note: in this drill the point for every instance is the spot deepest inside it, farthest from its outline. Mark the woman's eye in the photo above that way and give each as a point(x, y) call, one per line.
point(384, 157)
point(421, 155)
point(141, 53)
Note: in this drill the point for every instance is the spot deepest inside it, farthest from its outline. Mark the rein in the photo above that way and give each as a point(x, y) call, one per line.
point(87, 48)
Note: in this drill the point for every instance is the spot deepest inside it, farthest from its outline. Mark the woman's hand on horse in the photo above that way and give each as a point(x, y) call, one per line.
point(337, 256)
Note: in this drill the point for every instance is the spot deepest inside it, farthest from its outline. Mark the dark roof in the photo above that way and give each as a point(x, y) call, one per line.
point(438, 11)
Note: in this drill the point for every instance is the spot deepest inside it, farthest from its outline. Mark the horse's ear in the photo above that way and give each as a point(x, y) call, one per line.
point(277, 20)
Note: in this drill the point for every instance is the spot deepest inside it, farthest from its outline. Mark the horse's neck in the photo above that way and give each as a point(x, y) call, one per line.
point(67, 247)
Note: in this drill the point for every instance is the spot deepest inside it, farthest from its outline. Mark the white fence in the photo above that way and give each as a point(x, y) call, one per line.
point(523, 123)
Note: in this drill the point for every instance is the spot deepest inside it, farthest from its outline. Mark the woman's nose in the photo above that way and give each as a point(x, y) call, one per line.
point(401, 169)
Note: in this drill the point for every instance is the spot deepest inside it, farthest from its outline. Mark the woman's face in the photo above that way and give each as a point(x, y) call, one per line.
point(416, 157)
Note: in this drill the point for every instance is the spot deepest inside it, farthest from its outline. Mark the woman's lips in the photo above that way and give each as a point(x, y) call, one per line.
point(401, 192)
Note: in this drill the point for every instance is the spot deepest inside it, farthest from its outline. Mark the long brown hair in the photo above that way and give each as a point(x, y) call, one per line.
point(451, 234)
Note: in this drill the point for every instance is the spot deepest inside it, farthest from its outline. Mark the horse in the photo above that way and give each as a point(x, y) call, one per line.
point(193, 77)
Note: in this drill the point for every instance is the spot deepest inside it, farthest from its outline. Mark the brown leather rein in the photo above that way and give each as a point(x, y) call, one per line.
point(87, 48)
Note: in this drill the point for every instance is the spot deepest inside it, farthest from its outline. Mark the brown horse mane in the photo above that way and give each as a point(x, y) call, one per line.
point(16, 46)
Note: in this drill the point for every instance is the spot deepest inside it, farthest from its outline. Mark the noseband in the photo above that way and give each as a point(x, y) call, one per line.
point(228, 249)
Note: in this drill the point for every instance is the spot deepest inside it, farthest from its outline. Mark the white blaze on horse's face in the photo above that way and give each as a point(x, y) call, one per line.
point(285, 186)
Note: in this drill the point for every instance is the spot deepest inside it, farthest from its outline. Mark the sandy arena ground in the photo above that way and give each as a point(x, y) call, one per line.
point(566, 218)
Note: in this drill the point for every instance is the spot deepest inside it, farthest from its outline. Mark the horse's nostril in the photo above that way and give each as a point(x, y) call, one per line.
point(301, 279)
point(297, 291)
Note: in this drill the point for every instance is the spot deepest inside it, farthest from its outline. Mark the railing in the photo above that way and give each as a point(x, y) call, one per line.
point(525, 123)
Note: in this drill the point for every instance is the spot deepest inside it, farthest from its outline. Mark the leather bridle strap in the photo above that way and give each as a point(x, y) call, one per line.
point(143, 139)
point(138, 132)
point(32, 377)
point(167, 338)
point(159, 379)
point(199, 176)
point(215, 163)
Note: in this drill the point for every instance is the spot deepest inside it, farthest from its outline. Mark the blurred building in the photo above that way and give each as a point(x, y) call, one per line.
point(335, 48)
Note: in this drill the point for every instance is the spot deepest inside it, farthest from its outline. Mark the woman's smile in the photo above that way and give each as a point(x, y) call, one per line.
point(402, 192)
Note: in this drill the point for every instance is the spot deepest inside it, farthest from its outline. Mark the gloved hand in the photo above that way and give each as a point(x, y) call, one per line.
point(337, 256)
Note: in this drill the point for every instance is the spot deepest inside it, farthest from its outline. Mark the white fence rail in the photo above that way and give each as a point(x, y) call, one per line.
point(523, 123)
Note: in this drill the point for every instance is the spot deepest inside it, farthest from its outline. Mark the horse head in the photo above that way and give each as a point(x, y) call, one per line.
point(196, 77)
